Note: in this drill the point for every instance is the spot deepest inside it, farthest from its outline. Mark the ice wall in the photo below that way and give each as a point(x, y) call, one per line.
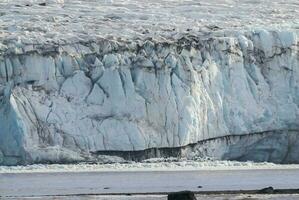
point(64, 103)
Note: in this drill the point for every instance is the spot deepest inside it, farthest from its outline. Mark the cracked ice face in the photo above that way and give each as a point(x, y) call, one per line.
point(70, 104)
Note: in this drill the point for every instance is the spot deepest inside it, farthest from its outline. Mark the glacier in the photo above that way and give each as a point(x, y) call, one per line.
point(218, 93)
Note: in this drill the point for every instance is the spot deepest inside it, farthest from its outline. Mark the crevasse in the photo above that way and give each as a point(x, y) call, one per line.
point(229, 97)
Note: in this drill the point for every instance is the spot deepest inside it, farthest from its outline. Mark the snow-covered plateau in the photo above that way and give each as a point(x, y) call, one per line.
point(132, 80)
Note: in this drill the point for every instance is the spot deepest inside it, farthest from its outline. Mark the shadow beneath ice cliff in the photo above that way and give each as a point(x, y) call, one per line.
point(278, 146)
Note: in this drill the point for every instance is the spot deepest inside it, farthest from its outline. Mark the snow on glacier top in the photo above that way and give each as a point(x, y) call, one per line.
point(58, 21)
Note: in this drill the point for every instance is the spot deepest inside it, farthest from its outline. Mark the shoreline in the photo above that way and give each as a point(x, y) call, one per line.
point(149, 183)
point(202, 194)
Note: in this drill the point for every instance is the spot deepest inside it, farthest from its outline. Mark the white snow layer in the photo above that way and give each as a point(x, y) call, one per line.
point(85, 76)
point(73, 20)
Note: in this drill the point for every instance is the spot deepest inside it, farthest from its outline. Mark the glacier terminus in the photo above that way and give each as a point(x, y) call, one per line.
point(81, 81)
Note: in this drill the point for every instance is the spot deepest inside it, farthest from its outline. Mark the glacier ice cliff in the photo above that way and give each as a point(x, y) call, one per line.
point(86, 79)
point(232, 96)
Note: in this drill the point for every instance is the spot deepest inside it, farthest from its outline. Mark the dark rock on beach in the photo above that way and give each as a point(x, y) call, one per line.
point(182, 195)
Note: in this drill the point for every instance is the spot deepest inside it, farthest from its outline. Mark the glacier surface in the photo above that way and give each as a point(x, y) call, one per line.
point(70, 95)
